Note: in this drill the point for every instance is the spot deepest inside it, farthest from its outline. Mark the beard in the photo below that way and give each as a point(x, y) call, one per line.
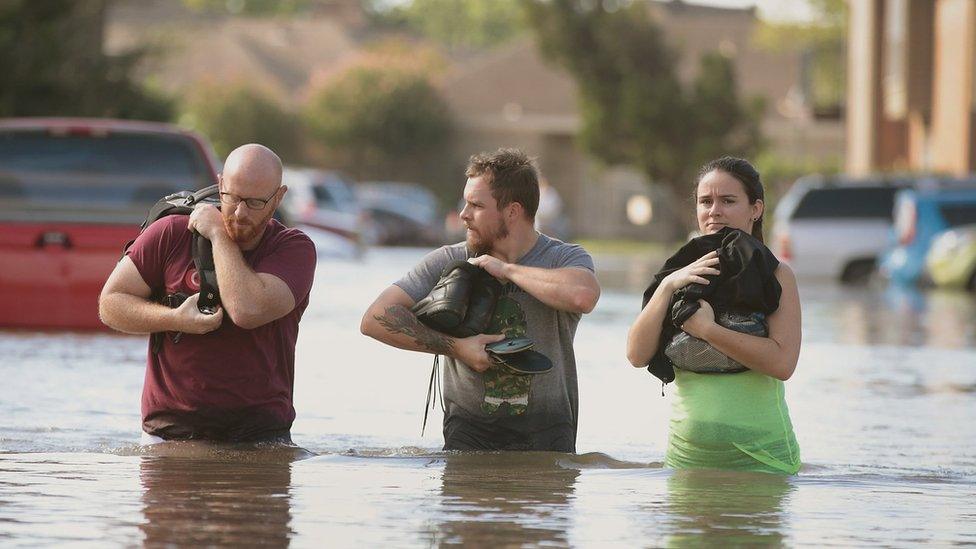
point(243, 231)
point(481, 241)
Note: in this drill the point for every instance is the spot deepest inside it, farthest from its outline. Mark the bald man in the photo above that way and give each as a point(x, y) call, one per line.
point(228, 376)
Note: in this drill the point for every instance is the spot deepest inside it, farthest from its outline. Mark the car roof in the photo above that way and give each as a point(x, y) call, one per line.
point(316, 176)
point(68, 124)
point(42, 123)
point(819, 181)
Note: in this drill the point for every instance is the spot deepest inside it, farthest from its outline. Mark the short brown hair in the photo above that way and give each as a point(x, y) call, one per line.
point(511, 175)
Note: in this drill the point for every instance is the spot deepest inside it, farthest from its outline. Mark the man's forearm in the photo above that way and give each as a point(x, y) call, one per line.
point(397, 326)
point(135, 315)
point(566, 289)
point(242, 292)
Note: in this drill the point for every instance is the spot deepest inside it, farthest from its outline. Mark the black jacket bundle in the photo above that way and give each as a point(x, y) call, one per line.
point(745, 284)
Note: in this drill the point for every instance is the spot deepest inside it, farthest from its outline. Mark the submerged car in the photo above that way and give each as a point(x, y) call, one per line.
point(835, 227)
point(72, 193)
point(402, 214)
point(921, 214)
point(324, 205)
point(951, 261)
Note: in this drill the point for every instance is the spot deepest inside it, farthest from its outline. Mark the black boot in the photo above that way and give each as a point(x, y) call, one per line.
point(446, 305)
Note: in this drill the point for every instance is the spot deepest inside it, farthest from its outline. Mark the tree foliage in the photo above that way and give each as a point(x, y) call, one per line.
point(53, 64)
point(233, 114)
point(456, 23)
point(379, 112)
point(251, 7)
point(822, 43)
point(635, 110)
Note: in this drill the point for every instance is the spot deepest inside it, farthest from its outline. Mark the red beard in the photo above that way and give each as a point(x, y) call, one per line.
point(245, 231)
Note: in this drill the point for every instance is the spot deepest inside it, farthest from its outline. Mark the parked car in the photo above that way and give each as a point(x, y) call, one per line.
point(834, 227)
point(324, 204)
point(72, 192)
point(402, 214)
point(921, 214)
point(951, 261)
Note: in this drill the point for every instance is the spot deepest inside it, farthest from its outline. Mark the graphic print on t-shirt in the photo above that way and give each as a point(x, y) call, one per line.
point(506, 392)
point(191, 279)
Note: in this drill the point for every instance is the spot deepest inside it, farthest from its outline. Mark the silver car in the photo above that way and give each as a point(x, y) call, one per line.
point(323, 202)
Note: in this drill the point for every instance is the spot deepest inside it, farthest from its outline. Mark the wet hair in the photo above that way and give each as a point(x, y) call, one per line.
point(746, 174)
point(511, 175)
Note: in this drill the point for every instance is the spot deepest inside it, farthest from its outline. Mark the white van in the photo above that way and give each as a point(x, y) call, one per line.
point(835, 227)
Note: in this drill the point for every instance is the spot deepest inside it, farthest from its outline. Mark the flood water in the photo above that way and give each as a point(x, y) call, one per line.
point(883, 403)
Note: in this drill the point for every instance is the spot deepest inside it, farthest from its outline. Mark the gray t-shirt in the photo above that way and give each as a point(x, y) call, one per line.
point(525, 404)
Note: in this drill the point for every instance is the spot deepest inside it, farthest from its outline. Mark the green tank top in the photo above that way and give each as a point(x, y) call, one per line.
point(731, 421)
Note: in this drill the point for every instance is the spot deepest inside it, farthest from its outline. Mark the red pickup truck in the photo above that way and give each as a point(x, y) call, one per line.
point(72, 192)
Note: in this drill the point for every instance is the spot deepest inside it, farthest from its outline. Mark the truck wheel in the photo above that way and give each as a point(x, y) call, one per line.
point(858, 271)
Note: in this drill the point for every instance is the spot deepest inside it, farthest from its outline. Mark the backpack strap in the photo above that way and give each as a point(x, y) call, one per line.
point(201, 250)
point(205, 193)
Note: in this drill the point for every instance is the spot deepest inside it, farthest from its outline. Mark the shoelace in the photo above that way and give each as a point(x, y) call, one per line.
point(434, 392)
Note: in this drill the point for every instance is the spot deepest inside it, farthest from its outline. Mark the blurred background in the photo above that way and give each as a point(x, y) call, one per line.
point(621, 101)
point(375, 106)
point(859, 115)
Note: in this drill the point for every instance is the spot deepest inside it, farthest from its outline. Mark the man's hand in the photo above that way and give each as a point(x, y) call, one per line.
point(192, 321)
point(471, 350)
point(495, 267)
point(699, 323)
point(207, 221)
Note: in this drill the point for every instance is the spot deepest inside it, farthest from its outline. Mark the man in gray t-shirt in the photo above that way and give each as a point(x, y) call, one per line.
point(548, 285)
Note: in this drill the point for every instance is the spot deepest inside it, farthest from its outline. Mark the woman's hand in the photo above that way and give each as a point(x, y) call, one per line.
point(699, 323)
point(693, 272)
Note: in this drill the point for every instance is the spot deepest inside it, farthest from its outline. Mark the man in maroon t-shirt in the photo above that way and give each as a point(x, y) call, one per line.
point(228, 376)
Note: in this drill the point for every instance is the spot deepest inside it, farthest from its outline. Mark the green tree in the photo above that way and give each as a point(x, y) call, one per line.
point(455, 23)
point(236, 113)
point(53, 64)
point(822, 42)
point(380, 117)
point(252, 7)
point(634, 108)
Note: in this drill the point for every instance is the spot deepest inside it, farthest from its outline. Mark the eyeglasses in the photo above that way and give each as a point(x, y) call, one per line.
point(252, 203)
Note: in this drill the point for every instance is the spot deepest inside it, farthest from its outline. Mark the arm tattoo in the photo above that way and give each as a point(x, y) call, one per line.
point(398, 320)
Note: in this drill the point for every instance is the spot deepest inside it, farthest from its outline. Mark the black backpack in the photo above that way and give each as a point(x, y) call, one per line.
point(183, 203)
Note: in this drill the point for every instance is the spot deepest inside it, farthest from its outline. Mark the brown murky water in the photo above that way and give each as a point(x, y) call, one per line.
point(883, 403)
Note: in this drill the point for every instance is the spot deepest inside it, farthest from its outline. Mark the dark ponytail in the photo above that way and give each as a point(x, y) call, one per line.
point(742, 170)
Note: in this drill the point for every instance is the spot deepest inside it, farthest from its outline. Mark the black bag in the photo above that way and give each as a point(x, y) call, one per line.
point(746, 282)
point(691, 354)
point(183, 203)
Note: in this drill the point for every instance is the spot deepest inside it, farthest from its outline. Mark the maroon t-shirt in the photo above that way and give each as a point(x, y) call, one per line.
point(231, 383)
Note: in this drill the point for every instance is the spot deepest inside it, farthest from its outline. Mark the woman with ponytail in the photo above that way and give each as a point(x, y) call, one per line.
point(722, 320)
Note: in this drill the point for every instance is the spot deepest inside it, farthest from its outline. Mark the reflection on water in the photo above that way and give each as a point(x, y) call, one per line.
point(739, 508)
point(498, 499)
point(891, 315)
point(882, 404)
point(205, 503)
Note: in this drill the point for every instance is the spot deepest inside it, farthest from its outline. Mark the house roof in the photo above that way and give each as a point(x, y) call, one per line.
point(279, 54)
point(512, 88)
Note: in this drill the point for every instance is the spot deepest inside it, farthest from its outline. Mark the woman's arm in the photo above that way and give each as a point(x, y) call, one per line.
point(775, 355)
point(645, 334)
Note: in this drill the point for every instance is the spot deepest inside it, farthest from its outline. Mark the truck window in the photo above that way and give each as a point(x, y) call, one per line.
point(109, 177)
point(855, 202)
